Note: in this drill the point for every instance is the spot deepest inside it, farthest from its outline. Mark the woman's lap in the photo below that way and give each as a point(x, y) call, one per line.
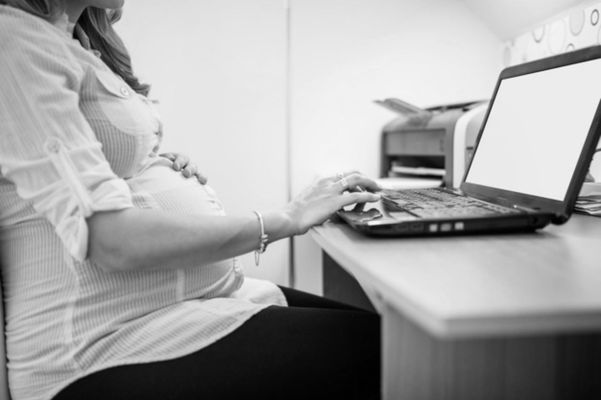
point(313, 348)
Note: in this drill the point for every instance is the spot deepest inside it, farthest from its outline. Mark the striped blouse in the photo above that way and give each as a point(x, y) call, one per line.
point(76, 139)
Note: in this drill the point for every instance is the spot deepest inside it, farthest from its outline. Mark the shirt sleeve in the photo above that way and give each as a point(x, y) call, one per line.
point(47, 148)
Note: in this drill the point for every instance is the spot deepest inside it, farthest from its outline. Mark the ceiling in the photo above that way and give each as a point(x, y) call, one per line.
point(508, 18)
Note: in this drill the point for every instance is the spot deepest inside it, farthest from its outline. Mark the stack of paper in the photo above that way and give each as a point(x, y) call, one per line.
point(589, 199)
point(400, 183)
point(397, 170)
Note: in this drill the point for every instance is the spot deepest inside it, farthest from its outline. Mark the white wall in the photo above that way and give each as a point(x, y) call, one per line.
point(218, 68)
point(509, 18)
point(346, 53)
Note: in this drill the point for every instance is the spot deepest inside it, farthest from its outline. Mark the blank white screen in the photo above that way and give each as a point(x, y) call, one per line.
point(536, 129)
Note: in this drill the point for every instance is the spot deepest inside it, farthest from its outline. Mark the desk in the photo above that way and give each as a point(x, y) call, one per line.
point(482, 317)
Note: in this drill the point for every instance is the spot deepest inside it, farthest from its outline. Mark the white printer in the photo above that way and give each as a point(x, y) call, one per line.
point(436, 142)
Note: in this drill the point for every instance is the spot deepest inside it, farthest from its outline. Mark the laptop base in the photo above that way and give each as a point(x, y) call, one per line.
point(386, 226)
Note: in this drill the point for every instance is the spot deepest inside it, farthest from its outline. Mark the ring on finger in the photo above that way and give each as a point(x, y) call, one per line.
point(344, 183)
point(340, 175)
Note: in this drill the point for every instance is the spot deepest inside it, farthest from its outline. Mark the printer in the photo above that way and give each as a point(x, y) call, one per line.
point(435, 142)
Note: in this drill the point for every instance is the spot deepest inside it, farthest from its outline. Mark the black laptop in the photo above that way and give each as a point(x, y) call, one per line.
point(530, 160)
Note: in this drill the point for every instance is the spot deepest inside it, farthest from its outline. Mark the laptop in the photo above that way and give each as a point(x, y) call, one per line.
point(530, 160)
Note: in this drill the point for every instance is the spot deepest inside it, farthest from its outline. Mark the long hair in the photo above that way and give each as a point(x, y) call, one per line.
point(97, 27)
point(48, 9)
point(97, 24)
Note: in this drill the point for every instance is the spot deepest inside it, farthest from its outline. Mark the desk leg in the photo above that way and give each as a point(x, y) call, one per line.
point(341, 286)
point(419, 366)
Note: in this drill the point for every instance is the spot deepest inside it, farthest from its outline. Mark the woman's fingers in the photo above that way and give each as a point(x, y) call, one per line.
point(343, 174)
point(357, 197)
point(180, 162)
point(189, 170)
point(168, 156)
point(201, 178)
point(319, 201)
point(357, 182)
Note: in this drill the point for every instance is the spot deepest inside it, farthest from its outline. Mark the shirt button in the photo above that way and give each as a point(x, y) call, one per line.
point(124, 91)
point(52, 145)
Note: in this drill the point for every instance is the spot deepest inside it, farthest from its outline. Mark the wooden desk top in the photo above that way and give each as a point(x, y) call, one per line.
point(532, 283)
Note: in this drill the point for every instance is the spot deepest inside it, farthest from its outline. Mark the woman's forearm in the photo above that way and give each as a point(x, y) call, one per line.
point(136, 239)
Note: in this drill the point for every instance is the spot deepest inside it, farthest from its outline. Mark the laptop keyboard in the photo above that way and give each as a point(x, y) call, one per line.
point(437, 203)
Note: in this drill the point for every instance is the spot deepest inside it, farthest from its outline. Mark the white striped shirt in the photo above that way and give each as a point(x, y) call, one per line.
point(76, 139)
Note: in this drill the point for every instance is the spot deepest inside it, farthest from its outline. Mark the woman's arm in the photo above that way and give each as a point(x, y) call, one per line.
point(135, 239)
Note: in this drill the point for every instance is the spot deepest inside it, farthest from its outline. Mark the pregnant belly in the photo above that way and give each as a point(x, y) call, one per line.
point(159, 186)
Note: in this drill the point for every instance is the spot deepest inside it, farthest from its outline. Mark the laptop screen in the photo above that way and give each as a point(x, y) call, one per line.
point(536, 129)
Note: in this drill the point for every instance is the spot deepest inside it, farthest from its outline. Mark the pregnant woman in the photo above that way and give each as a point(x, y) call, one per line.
point(119, 273)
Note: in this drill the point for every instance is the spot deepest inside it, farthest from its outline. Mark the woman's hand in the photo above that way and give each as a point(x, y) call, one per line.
point(182, 163)
point(319, 201)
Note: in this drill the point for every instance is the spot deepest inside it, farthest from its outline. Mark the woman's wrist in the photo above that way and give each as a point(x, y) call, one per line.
point(278, 225)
